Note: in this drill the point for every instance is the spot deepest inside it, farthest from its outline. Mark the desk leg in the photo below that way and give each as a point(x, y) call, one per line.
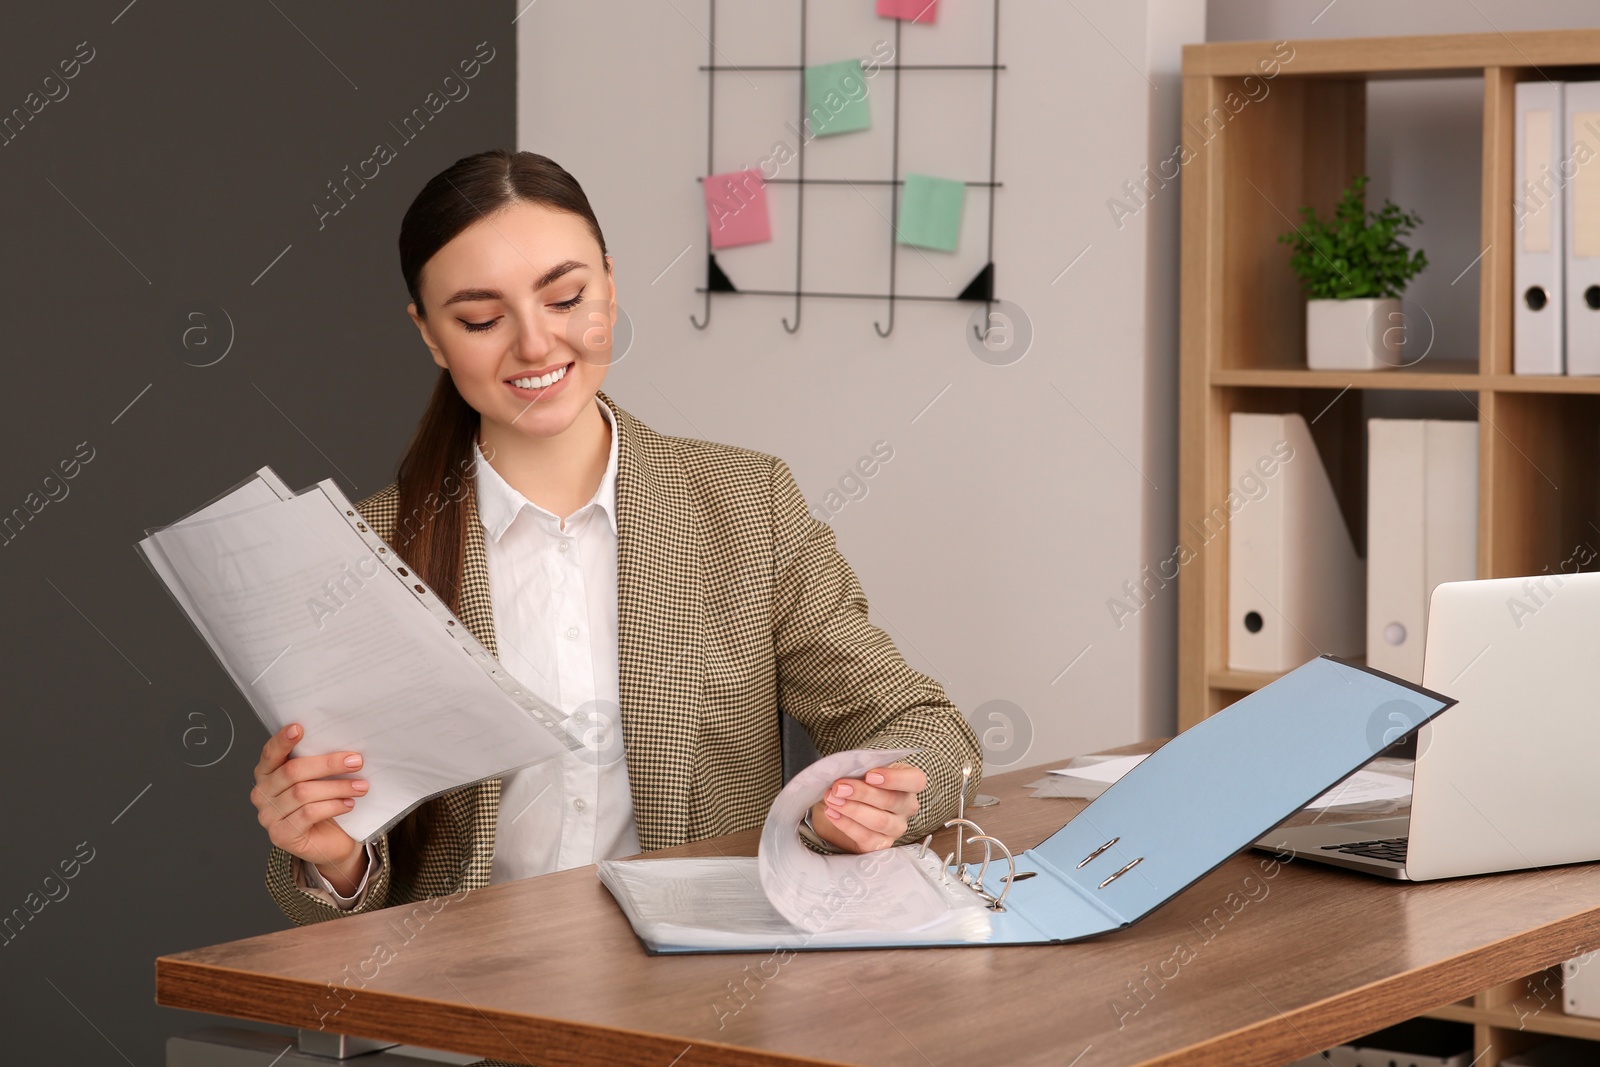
point(332, 1046)
point(227, 1046)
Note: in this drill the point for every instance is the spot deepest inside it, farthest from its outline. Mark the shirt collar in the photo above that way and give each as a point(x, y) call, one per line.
point(499, 504)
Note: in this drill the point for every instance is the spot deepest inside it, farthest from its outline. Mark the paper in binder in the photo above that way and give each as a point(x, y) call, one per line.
point(1296, 588)
point(1582, 129)
point(1538, 263)
point(1175, 817)
point(1422, 529)
point(318, 621)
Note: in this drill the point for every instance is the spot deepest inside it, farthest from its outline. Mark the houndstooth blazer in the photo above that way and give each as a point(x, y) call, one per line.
point(732, 602)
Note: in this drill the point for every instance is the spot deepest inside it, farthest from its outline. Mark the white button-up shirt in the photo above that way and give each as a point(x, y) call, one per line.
point(553, 585)
point(551, 578)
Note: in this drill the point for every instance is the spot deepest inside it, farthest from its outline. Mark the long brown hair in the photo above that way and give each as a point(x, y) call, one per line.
point(435, 474)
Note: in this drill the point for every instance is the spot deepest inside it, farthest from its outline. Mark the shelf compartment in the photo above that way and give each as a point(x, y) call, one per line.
point(1299, 144)
point(1551, 1021)
point(1463, 377)
point(1542, 455)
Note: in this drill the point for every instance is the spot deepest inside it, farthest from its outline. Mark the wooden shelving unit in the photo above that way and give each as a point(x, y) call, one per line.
point(1242, 337)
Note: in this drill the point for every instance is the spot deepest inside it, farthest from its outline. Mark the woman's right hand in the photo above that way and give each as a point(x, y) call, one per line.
point(296, 801)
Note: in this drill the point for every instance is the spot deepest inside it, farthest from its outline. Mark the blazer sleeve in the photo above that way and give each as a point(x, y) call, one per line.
point(308, 877)
point(306, 907)
point(842, 677)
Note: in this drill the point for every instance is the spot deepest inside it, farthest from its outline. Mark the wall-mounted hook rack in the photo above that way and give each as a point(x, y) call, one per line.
point(979, 289)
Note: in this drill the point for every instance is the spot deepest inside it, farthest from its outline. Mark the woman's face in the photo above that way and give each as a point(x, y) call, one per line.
point(520, 312)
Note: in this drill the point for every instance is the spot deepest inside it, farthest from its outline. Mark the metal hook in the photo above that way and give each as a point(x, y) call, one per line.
point(881, 331)
point(702, 325)
point(983, 334)
point(796, 326)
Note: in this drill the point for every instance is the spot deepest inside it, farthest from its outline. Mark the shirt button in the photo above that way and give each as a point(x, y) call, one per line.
point(563, 546)
point(579, 804)
point(572, 633)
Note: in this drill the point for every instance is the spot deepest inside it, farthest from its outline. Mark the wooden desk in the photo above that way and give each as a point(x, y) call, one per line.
point(1254, 964)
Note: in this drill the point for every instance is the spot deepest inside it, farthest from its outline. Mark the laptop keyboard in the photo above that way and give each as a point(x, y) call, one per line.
point(1389, 848)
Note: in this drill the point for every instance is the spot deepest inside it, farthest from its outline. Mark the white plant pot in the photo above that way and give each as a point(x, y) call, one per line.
point(1354, 334)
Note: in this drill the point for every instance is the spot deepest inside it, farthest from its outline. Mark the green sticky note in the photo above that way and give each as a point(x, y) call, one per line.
point(930, 212)
point(836, 98)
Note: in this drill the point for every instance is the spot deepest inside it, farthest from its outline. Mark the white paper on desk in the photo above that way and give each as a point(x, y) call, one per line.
point(1064, 785)
point(1363, 787)
point(1360, 788)
point(789, 896)
point(1109, 770)
point(366, 668)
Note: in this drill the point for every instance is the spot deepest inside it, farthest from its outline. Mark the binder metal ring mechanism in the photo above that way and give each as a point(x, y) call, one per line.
point(963, 871)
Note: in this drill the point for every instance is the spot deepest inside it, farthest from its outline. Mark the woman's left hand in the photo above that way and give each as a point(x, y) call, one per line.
point(871, 812)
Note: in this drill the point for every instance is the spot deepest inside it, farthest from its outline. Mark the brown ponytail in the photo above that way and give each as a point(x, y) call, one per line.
point(435, 474)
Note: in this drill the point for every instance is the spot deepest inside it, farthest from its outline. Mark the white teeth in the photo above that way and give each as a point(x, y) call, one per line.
point(542, 381)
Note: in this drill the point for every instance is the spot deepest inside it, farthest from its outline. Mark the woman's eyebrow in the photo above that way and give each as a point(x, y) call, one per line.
point(543, 280)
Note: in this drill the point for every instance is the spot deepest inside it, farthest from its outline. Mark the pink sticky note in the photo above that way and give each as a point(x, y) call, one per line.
point(913, 10)
point(736, 209)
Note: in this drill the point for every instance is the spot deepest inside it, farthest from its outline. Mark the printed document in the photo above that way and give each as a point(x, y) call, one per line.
point(317, 627)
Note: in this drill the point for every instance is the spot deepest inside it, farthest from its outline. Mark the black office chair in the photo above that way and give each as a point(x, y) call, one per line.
point(798, 749)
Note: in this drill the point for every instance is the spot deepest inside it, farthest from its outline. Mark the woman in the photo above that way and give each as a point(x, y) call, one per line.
point(673, 593)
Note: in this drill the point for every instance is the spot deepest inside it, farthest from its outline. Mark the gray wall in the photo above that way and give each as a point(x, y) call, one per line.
point(185, 157)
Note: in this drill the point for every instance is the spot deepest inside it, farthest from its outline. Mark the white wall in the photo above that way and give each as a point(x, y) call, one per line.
point(1021, 500)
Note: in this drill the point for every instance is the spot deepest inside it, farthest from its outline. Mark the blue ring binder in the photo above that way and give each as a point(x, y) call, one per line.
point(1179, 814)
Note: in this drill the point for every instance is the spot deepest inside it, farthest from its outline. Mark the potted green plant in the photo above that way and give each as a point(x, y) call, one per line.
point(1354, 268)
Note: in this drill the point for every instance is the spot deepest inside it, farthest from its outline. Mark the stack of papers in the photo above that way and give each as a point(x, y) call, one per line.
point(309, 613)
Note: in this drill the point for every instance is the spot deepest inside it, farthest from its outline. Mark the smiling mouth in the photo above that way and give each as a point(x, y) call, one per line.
point(536, 382)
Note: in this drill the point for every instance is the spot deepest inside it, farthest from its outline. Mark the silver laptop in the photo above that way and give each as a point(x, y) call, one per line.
point(1509, 778)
